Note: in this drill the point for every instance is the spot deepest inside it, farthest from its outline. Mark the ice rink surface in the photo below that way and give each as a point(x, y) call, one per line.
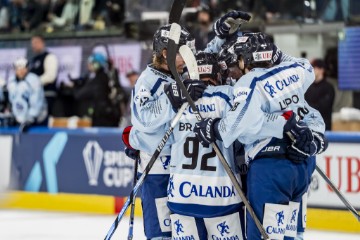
point(34, 225)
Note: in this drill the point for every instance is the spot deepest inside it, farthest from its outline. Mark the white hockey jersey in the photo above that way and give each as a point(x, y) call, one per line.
point(274, 90)
point(199, 186)
point(27, 99)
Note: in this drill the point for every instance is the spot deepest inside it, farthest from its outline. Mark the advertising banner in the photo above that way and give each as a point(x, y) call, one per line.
point(126, 57)
point(74, 163)
point(341, 163)
point(6, 62)
point(69, 58)
point(5, 161)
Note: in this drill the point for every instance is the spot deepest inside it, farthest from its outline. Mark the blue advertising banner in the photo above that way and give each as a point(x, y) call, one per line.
point(67, 161)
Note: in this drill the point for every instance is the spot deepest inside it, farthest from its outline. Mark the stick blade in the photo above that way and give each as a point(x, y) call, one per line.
point(190, 61)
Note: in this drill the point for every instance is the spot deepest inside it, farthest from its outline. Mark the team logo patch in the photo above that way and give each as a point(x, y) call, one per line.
point(171, 186)
point(165, 162)
point(269, 89)
point(223, 228)
point(178, 227)
point(280, 218)
point(142, 96)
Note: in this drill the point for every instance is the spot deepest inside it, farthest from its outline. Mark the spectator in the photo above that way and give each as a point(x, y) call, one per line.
point(4, 15)
point(64, 14)
point(34, 14)
point(115, 12)
point(203, 29)
point(45, 65)
point(132, 76)
point(26, 96)
point(17, 14)
point(321, 94)
point(96, 92)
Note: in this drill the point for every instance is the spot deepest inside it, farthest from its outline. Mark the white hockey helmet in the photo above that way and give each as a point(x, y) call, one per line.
point(20, 63)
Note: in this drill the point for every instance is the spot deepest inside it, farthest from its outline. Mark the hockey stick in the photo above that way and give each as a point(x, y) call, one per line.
point(338, 193)
point(174, 36)
point(146, 171)
point(176, 10)
point(132, 210)
point(332, 185)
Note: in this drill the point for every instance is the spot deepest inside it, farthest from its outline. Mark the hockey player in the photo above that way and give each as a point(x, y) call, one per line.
point(26, 96)
point(278, 174)
point(151, 113)
point(202, 199)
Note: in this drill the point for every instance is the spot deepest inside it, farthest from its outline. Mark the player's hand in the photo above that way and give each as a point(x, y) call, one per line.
point(230, 23)
point(129, 150)
point(299, 154)
point(177, 97)
point(132, 153)
point(296, 129)
point(206, 131)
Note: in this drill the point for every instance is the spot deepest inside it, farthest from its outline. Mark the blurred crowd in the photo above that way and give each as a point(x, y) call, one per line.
point(68, 15)
point(31, 95)
point(52, 15)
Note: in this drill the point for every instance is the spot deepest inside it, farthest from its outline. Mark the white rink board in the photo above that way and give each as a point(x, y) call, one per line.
point(33, 225)
point(341, 161)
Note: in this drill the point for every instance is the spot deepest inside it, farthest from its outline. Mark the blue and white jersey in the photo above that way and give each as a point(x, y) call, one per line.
point(214, 46)
point(199, 186)
point(151, 111)
point(273, 90)
point(27, 99)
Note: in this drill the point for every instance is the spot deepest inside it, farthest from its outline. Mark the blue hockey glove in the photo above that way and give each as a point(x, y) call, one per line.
point(132, 153)
point(296, 129)
point(206, 131)
point(176, 96)
point(298, 153)
point(230, 23)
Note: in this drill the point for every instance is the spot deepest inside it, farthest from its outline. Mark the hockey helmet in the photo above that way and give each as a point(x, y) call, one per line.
point(161, 38)
point(21, 63)
point(208, 66)
point(253, 48)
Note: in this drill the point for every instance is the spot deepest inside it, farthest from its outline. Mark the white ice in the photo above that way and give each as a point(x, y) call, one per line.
point(36, 225)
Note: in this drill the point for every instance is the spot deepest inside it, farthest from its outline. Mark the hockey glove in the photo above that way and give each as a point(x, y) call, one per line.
point(176, 96)
point(298, 153)
point(129, 151)
point(230, 23)
point(296, 129)
point(206, 131)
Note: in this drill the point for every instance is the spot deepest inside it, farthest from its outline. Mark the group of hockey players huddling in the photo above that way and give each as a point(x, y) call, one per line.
point(251, 96)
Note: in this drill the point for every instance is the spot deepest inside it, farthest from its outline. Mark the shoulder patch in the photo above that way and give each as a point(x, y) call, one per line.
point(241, 94)
point(142, 96)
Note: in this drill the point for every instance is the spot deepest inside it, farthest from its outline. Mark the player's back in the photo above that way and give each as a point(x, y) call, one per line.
point(199, 186)
point(277, 89)
point(282, 87)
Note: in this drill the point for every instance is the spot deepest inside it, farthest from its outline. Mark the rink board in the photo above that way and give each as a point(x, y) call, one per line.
point(320, 219)
point(82, 171)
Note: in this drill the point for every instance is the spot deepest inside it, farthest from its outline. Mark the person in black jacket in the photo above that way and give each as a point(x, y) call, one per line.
point(321, 94)
point(95, 94)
